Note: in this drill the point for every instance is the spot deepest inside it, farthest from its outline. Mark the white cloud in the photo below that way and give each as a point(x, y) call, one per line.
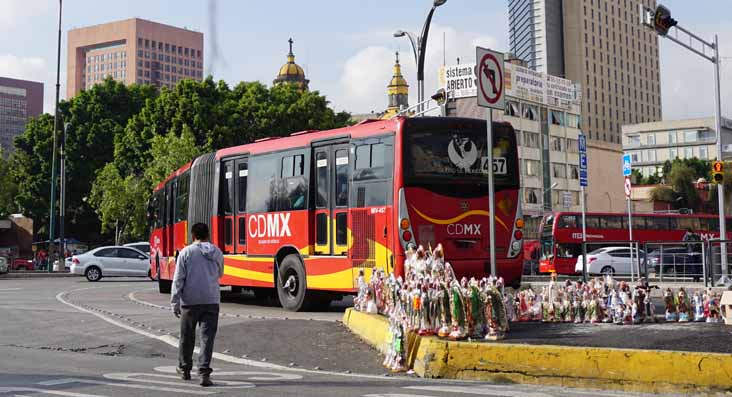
point(14, 12)
point(366, 74)
point(30, 68)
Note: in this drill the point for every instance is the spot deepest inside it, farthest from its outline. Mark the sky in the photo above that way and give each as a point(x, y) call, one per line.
point(345, 46)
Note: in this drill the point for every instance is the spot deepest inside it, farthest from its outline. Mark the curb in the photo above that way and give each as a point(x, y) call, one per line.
point(26, 275)
point(649, 371)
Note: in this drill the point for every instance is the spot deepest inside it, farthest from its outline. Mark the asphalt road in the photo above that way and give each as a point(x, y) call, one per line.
point(117, 337)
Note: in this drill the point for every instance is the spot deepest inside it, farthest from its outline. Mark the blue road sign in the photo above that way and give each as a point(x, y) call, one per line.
point(582, 143)
point(583, 169)
point(627, 168)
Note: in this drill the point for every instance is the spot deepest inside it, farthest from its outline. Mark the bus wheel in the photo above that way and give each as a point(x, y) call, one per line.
point(164, 285)
point(292, 285)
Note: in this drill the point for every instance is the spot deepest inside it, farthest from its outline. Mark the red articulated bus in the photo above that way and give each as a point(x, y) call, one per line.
point(561, 233)
point(303, 215)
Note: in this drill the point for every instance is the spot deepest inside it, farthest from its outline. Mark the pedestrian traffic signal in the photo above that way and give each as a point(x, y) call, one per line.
point(717, 172)
point(662, 20)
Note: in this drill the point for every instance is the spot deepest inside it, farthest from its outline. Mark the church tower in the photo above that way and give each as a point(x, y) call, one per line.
point(398, 91)
point(291, 72)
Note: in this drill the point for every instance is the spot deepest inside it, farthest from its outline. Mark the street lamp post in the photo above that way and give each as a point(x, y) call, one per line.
point(62, 208)
point(419, 47)
point(52, 212)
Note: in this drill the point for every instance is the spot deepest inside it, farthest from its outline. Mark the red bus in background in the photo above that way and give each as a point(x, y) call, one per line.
point(301, 216)
point(561, 233)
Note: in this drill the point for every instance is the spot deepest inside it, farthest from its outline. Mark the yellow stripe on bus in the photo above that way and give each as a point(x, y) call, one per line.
point(338, 280)
point(459, 217)
point(248, 274)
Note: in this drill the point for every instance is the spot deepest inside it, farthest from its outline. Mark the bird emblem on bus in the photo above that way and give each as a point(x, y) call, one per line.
point(462, 152)
point(464, 206)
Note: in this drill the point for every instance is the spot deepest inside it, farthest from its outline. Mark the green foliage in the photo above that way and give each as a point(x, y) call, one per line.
point(124, 140)
point(663, 193)
point(8, 188)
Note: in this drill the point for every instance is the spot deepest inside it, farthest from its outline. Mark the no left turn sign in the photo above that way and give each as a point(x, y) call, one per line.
point(489, 65)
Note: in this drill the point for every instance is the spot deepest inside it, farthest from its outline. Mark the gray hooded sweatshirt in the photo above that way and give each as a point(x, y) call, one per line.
point(197, 272)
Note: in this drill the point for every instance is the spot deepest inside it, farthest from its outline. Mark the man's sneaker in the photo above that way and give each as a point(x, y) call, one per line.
point(206, 381)
point(184, 374)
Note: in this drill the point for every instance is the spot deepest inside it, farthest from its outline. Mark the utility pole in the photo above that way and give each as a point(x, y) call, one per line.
point(52, 210)
point(660, 20)
point(62, 209)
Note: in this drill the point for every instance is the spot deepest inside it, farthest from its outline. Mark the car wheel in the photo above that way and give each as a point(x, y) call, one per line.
point(607, 270)
point(93, 273)
point(164, 286)
point(292, 285)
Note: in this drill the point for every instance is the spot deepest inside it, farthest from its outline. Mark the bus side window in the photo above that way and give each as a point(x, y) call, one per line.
point(294, 181)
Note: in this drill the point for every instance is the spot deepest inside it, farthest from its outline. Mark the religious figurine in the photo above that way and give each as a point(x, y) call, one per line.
point(628, 314)
point(475, 310)
point(425, 325)
point(579, 310)
point(509, 301)
point(495, 315)
point(444, 302)
point(359, 302)
point(698, 307)
point(683, 306)
point(619, 314)
point(457, 309)
point(524, 307)
point(614, 302)
point(639, 314)
point(592, 310)
point(712, 308)
point(670, 303)
point(567, 316)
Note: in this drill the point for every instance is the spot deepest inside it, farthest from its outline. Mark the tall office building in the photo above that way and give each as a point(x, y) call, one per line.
point(605, 50)
point(19, 100)
point(132, 51)
point(536, 34)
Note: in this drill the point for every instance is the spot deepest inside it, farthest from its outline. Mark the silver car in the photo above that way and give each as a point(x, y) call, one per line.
point(3, 265)
point(111, 261)
point(609, 260)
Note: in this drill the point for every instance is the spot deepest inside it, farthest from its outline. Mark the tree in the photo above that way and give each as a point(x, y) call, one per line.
point(8, 188)
point(116, 200)
point(683, 178)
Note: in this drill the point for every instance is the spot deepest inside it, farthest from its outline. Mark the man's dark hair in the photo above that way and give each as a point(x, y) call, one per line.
point(200, 231)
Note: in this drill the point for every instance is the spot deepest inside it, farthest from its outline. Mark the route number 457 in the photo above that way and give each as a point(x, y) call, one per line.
point(499, 165)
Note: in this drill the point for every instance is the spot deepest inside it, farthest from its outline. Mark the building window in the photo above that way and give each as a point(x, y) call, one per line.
point(672, 153)
point(572, 146)
point(634, 140)
point(688, 152)
point(512, 109)
point(557, 144)
point(690, 136)
point(651, 139)
point(573, 171)
point(530, 112)
point(573, 120)
point(556, 118)
point(532, 167)
point(703, 152)
point(559, 170)
point(651, 155)
point(531, 195)
point(635, 157)
point(531, 139)
point(672, 137)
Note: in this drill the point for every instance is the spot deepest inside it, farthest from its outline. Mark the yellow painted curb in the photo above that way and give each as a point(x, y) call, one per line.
point(653, 371)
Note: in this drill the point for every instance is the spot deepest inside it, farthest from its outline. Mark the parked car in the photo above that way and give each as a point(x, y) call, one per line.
point(67, 263)
point(143, 246)
point(676, 261)
point(3, 264)
point(609, 260)
point(22, 264)
point(111, 261)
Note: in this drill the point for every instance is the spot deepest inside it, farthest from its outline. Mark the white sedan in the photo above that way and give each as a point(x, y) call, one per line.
point(610, 260)
point(110, 261)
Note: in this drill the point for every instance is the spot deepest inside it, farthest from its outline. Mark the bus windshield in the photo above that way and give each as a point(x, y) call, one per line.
point(433, 158)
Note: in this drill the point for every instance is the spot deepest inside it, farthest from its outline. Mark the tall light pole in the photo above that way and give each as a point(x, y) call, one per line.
point(419, 47)
point(62, 208)
point(52, 212)
point(660, 20)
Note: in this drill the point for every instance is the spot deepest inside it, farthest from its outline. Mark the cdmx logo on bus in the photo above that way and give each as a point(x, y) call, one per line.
point(269, 225)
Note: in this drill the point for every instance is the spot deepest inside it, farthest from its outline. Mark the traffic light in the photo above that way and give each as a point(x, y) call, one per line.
point(662, 20)
point(717, 172)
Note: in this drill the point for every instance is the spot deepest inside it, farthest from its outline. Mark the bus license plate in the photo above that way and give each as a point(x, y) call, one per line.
point(499, 165)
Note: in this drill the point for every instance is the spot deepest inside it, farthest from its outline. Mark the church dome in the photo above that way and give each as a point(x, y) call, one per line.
point(291, 72)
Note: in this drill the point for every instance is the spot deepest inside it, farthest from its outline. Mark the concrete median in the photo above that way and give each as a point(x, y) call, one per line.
point(639, 370)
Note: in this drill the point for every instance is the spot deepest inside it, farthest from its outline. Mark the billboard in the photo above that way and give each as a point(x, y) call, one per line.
point(519, 82)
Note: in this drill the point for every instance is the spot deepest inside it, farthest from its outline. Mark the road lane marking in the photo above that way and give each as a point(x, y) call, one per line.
point(126, 385)
point(10, 289)
point(140, 377)
point(4, 390)
point(251, 375)
point(479, 390)
point(173, 341)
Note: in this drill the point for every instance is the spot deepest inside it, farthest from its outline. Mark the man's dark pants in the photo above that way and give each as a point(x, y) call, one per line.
point(208, 317)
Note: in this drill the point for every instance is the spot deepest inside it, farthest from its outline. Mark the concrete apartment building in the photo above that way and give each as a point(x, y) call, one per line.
point(19, 101)
point(546, 118)
point(604, 48)
point(651, 144)
point(132, 51)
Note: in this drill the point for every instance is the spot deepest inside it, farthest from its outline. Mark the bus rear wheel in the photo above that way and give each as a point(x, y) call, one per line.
point(292, 285)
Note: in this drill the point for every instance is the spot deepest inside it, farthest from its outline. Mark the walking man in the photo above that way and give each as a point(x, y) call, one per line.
point(195, 299)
